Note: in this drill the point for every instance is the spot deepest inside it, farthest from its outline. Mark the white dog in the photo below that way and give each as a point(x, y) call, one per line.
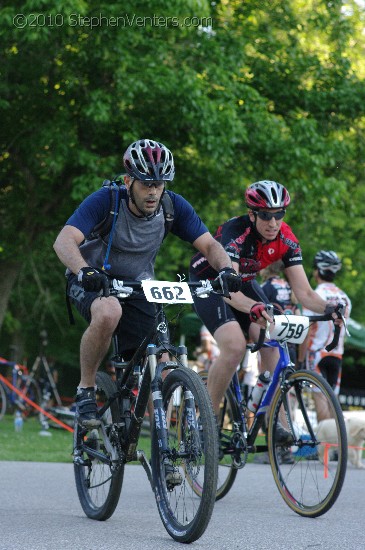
point(355, 428)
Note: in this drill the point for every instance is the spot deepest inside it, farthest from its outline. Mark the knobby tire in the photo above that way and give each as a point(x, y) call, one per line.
point(184, 514)
point(98, 487)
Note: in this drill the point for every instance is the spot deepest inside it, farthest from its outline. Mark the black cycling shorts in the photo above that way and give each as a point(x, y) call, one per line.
point(138, 316)
point(215, 312)
point(330, 368)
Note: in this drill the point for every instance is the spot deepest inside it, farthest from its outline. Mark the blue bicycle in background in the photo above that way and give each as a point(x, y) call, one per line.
point(310, 481)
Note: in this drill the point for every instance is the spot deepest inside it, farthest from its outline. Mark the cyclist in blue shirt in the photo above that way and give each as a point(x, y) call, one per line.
point(136, 239)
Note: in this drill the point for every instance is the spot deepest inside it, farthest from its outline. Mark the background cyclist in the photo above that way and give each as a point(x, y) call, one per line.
point(312, 353)
point(138, 235)
point(253, 241)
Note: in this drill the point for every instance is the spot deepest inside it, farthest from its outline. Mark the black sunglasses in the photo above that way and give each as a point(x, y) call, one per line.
point(267, 216)
point(150, 184)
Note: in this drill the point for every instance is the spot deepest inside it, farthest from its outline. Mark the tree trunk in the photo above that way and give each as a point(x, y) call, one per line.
point(8, 275)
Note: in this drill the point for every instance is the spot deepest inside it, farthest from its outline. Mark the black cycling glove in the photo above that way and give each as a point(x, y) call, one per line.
point(338, 308)
point(229, 281)
point(93, 281)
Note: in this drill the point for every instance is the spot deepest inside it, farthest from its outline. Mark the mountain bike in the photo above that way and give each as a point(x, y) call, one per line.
point(10, 400)
point(309, 482)
point(184, 445)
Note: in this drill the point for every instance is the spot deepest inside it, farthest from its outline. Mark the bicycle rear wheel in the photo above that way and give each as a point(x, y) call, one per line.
point(311, 484)
point(228, 421)
point(192, 439)
point(229, 417)
point(99, 478)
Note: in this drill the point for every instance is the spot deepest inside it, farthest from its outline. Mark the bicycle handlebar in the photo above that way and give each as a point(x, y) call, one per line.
point(340, 309)
point(202, 289)
point(123, 289)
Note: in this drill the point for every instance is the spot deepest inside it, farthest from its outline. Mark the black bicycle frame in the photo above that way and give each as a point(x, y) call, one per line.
point(148, 353)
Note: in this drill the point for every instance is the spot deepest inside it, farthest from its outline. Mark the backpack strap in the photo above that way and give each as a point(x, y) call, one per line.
point(104, 227)
point(168, 212)
point(111, 220)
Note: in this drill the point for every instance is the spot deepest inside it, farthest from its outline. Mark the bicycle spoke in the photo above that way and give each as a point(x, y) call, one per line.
point(192, 458)
point(311, 480)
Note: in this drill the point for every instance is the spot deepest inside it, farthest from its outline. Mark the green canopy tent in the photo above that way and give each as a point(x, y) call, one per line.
point(357, 335)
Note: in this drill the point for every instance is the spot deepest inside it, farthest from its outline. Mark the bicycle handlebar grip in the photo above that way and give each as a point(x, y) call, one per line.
point(335, 340)
point(106, 288)
point(215, 284)
point(217, 287)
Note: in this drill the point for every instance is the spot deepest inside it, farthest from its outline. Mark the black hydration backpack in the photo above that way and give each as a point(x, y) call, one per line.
point(106, 225)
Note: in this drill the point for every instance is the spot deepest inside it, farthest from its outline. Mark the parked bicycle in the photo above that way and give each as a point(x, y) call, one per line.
point(184, 443)
point(10, 400)
point(310, 483)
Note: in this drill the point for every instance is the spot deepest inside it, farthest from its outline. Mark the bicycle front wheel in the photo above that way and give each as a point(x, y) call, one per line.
point(192, 457)
point(311, 480)
point(99, 477)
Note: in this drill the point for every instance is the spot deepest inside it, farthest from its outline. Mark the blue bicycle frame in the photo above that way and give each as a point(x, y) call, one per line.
point(283, 362)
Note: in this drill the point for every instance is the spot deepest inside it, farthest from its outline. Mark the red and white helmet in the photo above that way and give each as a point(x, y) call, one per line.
point(149, 160)
point(266, 194)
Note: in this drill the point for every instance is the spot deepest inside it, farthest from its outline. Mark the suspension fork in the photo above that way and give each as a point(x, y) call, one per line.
point(161, 421)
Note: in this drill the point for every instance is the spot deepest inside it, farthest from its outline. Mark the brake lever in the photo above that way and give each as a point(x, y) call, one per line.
point(345, 325)
point(340, 310)
point(264, 332)
point(270, 310)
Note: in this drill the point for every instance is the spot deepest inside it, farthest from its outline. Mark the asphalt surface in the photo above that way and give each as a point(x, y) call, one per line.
point(39, 510)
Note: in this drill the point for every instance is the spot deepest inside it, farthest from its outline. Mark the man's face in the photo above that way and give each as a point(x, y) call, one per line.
point(146, 194)
point(268, 228)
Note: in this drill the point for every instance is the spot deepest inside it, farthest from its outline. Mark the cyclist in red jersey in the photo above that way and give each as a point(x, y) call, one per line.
point(253, 241)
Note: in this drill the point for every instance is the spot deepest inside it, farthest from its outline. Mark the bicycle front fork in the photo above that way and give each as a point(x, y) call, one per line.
point(161, 421)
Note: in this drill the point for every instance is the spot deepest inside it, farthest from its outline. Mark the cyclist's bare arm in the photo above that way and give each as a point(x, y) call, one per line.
point(303, 291)
point(66, 247)
point(213, 251)
point(242, 303)
point(306, 295)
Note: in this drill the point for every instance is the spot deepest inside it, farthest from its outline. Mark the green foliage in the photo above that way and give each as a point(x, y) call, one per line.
point(28, 445)
point(269, 90)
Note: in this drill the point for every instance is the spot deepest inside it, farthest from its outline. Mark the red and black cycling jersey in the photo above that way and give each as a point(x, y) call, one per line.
point(243, 244)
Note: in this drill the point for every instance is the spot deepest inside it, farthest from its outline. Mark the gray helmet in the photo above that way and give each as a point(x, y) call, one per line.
point(266, 194)
point(149, 160)
point(327, 261)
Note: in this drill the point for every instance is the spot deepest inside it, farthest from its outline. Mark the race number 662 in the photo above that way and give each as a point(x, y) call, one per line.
point(166, 292)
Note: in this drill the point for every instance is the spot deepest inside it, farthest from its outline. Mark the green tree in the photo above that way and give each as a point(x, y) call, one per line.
point(269, 90)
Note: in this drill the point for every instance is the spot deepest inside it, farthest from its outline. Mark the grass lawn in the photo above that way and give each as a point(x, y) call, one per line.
point(29, 445)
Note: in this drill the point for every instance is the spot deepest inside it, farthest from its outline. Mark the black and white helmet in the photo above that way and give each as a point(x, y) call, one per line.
point(327, 261)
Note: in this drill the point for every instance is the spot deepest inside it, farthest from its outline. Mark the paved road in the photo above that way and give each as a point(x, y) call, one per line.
point(39, 510)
